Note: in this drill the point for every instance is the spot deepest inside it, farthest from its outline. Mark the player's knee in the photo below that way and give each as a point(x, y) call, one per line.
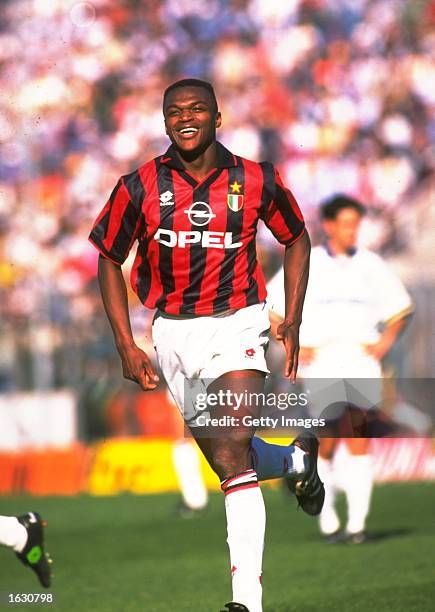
point(231, 458)
point(327, 448)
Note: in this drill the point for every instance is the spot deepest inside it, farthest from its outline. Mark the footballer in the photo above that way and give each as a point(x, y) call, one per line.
point(355, 310)
point(193, 212)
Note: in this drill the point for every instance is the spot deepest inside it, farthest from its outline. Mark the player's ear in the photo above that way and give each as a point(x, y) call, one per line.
point(218, 120)
point(327, 226)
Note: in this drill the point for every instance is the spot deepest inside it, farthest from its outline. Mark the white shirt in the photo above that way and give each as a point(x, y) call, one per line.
point(347, 299)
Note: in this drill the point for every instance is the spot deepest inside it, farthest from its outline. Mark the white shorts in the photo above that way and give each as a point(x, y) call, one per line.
point(190, 351)
point(342, 373)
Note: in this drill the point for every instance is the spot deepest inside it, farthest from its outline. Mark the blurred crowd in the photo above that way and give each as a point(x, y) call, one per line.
point(337, 93)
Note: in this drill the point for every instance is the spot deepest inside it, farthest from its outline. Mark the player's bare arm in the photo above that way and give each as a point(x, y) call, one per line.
point(388, 338)
point(296, 270)
point(136, 365)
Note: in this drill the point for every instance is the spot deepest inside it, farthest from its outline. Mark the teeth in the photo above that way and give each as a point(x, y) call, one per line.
point(188, 131)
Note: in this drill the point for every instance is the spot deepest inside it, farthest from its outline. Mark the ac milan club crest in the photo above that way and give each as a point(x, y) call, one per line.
point(235, 202)
point(235, 199)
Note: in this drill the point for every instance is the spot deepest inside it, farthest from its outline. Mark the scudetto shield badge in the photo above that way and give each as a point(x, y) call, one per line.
point(235, 202)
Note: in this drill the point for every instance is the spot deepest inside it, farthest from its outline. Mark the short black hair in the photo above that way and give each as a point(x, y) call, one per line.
point(192, 83)
point(330, 209)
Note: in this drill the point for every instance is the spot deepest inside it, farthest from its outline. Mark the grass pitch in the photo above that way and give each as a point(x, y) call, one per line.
point(132, 553)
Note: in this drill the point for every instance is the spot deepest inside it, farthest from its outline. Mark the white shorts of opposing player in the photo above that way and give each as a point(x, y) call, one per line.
point(342, 372)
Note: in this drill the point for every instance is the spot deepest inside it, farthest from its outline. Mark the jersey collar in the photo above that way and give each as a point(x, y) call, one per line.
point(350, 252)
point(225, 159)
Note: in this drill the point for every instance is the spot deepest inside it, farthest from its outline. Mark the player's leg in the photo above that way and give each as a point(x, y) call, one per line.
point(25, 535)
point(358, 486)
point(228, 452)
point(329, 522)
point(188, 470)
point(358, 473)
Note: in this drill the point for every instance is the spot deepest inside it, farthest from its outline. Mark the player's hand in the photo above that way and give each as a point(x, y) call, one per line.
point(307, 354)
point(137, 366)
point(288, 333)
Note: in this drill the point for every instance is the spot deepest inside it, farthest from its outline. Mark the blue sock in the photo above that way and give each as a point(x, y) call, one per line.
point(274, 460)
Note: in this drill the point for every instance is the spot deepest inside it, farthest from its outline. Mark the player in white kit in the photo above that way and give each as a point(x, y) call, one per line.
point(355, 309)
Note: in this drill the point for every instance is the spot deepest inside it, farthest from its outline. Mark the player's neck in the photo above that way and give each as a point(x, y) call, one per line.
point(199, 163)
point(336, 249)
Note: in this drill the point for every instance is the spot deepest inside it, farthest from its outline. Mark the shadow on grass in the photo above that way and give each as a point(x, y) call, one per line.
point(372, 536)
point(388, 534)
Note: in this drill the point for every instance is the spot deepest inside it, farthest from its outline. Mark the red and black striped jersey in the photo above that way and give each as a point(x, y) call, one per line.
point(196, 251)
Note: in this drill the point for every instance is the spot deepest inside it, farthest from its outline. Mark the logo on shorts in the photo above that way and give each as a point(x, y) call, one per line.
point(200, 213)
point(250, 352)
point(166, 198)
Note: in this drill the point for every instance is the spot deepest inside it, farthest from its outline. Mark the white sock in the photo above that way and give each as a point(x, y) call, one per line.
point(246, 523)
point(12, 533)
point(358, 487)
point(274, 460)
point(188, 469)
point(328, 519)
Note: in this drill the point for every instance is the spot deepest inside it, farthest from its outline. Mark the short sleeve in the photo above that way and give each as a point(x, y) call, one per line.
point(393, 300)
point(116, 227)
point(282, 214)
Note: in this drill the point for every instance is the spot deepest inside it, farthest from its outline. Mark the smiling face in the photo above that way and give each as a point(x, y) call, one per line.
point(191, 119)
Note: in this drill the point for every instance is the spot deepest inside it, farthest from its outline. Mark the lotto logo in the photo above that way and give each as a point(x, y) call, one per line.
point(166, 198)
point(207, 239)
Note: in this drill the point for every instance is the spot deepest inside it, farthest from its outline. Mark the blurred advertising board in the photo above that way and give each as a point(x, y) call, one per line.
point(145, 465)
point(37, 420)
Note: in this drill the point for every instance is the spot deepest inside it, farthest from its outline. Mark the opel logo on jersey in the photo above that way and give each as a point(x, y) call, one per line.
point(199, 213)
point(207, 239)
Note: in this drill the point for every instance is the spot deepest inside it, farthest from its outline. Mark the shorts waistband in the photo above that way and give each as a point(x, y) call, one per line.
point(181, 317)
